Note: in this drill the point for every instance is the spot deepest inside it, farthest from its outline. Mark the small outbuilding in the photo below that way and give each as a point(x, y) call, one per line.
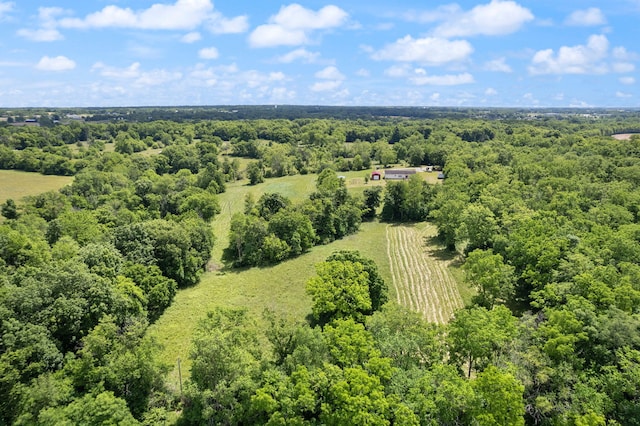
point(376, 175)
point(440, 175)
point(398, 174)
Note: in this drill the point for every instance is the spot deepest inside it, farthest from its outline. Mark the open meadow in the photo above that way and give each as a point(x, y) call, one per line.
point(418, 274)
point(17, 185)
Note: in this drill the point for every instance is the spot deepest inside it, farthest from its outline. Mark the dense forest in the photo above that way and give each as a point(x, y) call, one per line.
point(542, 207)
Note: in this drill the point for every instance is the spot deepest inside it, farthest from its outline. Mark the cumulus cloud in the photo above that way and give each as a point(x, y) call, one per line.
point(490, 91)
point(581, 59)
point(623, 95)
point(441, 13)
point(137, 75)
point(208, 53)
point(5, 8)
point(363, 72)
point(47, 23)
point(325, 86)
point(218, 24)
point(229, 77)
point(429, 50)
point(330, 73)
point(586, 18)
point(627, 80)
point(396, 71)
point(495, 18)
point(422, 78)
point(623, 67)
point(191, 37)
point(497, 65)
point(331, 78)
point(41, 34)
point(58, 63)
point(293, 25)
point(181, 15)
point(298, 54)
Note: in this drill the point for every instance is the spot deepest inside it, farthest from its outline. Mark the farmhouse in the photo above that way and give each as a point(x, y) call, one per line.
point(376, 175)
point(396, 174)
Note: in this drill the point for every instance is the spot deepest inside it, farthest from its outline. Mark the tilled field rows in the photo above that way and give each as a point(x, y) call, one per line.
point(422, 282)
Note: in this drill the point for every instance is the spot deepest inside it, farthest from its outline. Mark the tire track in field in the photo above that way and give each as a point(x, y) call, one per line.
point(420, 278)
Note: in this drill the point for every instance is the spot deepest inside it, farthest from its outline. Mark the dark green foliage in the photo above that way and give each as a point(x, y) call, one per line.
point(272, 229)
point(180, 250)
point(224, 374)
point(339, 290)
point(9, 209)
point(255, 173)
point(542, 211)
point(378, 291)
point(406, 200)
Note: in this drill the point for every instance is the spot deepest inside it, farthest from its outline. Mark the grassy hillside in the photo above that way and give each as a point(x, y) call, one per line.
point(280, 288)
point(16, 184)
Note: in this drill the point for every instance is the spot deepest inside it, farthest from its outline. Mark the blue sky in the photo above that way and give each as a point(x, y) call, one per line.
point(538, 53)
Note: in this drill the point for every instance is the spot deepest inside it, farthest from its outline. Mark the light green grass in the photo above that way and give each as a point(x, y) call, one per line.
point(17, 185)
point(280, 288)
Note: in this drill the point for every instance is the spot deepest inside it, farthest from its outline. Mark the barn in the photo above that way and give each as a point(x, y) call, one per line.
point(376, 175)
point(398, 174)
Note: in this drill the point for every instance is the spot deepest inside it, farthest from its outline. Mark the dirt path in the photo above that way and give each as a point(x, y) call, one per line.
point(421, 278)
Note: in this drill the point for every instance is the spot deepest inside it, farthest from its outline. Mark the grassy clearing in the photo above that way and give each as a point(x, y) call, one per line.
point(280, 288)
point(420, 268)
point(17, 185)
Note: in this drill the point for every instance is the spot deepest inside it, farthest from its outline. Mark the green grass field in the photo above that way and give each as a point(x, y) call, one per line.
point(17, 185)
point(280, 288)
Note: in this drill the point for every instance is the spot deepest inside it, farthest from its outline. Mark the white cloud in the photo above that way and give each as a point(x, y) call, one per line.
point(623, 95)
point(623, 54)
point(208, 53)
point(282, 93)
point(623, 67)
point(497, 65)
point(331, 78)
point(58, 63)
point(495, 18)
point(396, 71)
point(191, 37)
point(586, 18)
point(362, 72)
point(422, 79)
point(627, 80)
point(5, 8)
point(229, 80)
point(430, 51)
point(581, 59)
point(47, 31)
point(293, 25)
point(442, 13)
point(490, 91)
point(325, 86)
point(41, 34)
point(298, 54)
point(132, 71)
point(218, 24)
point(136, 75)
point(330, 73)
point(275, 35)
point(181, 15)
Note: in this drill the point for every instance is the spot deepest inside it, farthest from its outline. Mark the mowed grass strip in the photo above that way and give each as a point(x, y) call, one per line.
point(421, 272)
point(17, 184)
point(280, 288)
